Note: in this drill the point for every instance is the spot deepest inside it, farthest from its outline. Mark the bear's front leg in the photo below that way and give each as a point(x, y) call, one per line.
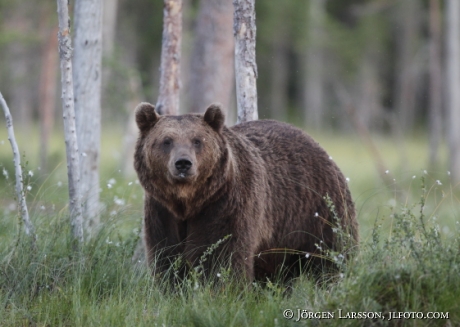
point(214, 248)
point(163, 236)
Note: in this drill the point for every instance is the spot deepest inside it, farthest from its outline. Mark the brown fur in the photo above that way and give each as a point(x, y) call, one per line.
point(262, 182)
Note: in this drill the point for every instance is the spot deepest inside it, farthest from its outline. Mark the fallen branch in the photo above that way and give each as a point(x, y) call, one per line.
point(29, 228)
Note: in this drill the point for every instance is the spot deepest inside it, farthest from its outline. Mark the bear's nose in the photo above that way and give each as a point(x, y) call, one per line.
point(183, 165)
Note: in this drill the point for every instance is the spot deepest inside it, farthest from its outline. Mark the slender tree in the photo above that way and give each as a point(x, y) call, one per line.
point(407, 72)
point(87, 90)
point(213, 47)
point(244, 30)
point(314, 75)
point(28, 227)
point(435, 107)
point(70, 132)
point(168, 99)
point(453, 85)
point(47, 93)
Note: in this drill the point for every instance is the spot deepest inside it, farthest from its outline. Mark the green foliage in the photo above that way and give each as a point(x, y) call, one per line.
point(408, 259)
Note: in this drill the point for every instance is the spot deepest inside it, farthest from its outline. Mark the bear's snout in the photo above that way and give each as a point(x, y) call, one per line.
point(183, 165)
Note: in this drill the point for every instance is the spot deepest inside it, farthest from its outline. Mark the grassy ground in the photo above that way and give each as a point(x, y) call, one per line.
point(408, 264)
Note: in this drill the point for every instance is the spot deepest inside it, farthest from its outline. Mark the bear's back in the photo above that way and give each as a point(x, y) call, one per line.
point(299, 174)
point(282, 143)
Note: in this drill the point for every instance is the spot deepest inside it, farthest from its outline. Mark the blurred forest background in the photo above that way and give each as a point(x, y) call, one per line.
point(339, 65)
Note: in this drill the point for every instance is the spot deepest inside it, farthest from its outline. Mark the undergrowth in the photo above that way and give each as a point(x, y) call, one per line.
point(409, 267)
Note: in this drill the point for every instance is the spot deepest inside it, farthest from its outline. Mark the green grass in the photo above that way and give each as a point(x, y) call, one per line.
point(409, 258)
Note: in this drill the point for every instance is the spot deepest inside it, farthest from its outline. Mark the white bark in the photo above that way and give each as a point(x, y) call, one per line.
point(87, 90)
point(28, 227)
point(70, 133)
point(453, 85)
point(168, 99)
point(244, 30)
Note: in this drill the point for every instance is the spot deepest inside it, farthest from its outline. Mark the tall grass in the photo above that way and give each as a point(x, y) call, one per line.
point(408, 261)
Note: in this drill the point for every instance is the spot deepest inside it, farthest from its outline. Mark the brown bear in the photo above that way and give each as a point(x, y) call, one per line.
point(267, 184)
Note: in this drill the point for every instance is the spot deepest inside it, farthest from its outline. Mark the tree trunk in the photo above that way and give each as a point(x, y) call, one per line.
point(211, 76)
point(168, 99)
point(28, 227)
point(435, 108)
point(279, 80)
point(87, 87)
point(314, 70)
point(406, 72)
point(453, 85)
point(70, 132)
point(109, 26)
point(47, 95)
point(244, 30)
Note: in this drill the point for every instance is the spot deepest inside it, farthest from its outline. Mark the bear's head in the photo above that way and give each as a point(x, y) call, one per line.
point(177, 153)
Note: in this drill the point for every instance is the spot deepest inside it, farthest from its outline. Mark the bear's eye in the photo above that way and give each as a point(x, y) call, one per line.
point(167, 142)
point(196, 142)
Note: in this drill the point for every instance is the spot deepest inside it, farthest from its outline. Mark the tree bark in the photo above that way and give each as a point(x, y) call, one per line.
point(87, 87)
point(211, 77)
point(314, 69)
point(109, 26)
point(47, 95)
point(70, 132)
point(453, 85)
point(28, 227)
point(244, 30)
point(168, 99)
point(435, 107)
point(279, 80)
point(406, 72)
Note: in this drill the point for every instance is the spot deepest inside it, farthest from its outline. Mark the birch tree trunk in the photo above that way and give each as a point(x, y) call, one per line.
point(211, 76)
point(314, 70)
point(435, 106)
point(168, 99)
point(70, 132)
point(87, 87)
point(244, 30)
point(453, 85)
point(28, 227)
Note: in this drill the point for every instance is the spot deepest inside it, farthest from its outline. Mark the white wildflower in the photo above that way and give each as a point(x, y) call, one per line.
point(120, 202)
point(5, 173)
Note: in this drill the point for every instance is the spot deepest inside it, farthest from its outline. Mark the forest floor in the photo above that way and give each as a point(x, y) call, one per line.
point(407, 271)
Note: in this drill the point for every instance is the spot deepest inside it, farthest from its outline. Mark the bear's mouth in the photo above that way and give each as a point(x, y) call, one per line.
point(182, 177)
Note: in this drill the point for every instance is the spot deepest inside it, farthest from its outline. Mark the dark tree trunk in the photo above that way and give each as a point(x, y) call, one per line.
point(168, 99)
point(211, 76)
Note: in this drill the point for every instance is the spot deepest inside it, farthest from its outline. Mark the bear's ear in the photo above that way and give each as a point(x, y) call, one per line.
point(146, 116)
point(215, 117)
